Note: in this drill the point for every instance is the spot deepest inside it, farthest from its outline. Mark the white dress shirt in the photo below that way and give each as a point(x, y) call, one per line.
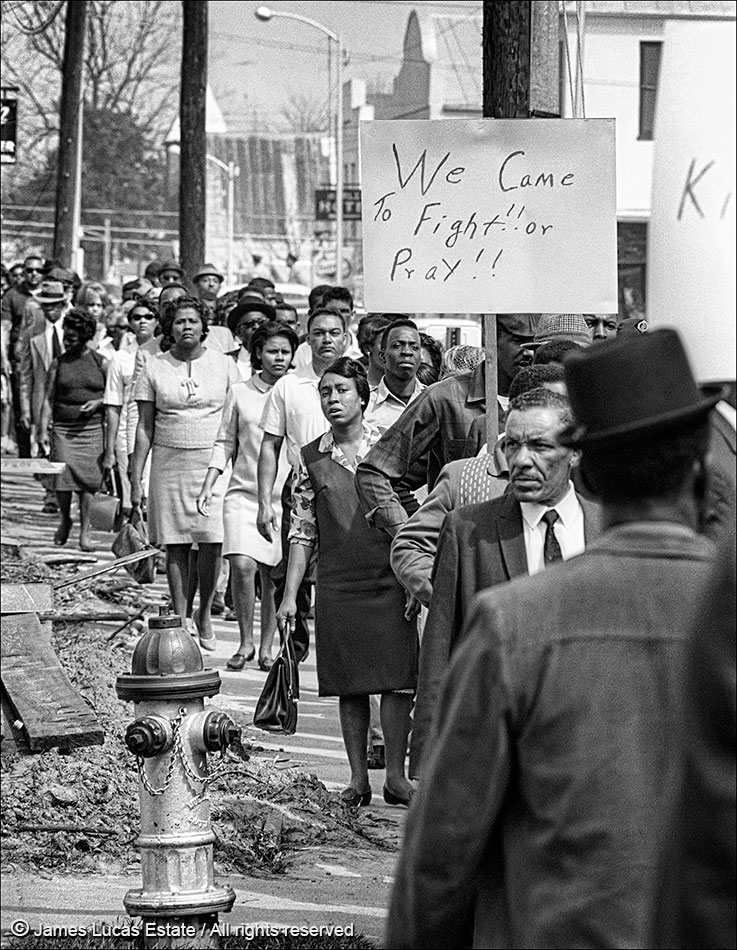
point(569, 529)
point(51, 329)
point(294, 412)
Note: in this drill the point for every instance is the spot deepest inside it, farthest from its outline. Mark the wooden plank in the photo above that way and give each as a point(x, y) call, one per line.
point(110, 566)
point(31, 467)
point(39, 691)
point(25, 598)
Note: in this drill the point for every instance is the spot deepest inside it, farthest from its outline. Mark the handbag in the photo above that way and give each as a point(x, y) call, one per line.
point(132, 538)
point(276, 709)
point(105, 507)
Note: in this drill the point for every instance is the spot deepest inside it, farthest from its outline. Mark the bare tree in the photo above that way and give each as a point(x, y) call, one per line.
point(304, 113)
point(131, 64)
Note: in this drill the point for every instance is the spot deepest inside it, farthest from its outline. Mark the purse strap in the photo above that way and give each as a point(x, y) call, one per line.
point(287, 651)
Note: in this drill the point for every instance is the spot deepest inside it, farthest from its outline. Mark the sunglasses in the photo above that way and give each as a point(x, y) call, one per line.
point(34, 270)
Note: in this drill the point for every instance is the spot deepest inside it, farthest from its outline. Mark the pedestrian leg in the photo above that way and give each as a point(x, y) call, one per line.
point(177, 574)
point(354, 720)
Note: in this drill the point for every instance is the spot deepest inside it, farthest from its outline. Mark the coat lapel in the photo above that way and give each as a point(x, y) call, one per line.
point(511, 538)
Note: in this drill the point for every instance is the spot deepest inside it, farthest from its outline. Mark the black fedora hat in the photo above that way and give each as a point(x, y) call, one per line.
point(632, 387)
point(249, 305)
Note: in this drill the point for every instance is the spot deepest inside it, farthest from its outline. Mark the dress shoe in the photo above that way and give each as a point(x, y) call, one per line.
point(352, 799)
point(265, 663)
point(218, 605)
point(376, 758)
point(239, 660)
point(391, 799)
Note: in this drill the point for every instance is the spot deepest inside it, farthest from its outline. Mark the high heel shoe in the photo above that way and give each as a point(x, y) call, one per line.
point(265, 663)
point(206, 643)
point(391, 799)
point(352, 799)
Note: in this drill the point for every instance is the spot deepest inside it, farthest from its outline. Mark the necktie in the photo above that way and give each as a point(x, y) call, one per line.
point(551, 549)
point(55, 345)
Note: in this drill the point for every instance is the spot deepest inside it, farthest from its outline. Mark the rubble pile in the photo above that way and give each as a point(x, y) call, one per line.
point(78, 811)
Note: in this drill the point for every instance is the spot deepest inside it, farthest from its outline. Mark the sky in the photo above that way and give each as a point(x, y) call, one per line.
point(255, 66)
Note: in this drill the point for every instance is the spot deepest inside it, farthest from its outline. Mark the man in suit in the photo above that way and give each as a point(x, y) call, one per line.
point(487, 544)
point(554, 758)
point(37, 352)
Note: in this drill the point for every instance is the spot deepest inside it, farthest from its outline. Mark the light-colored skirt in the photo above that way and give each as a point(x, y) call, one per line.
point(80, 446)
point(241, 535)
point(175, 482)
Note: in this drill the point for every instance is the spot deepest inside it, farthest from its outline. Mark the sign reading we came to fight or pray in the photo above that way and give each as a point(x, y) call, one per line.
point(489, 216)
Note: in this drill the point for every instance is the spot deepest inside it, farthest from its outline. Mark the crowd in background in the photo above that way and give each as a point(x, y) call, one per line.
point(282, 457)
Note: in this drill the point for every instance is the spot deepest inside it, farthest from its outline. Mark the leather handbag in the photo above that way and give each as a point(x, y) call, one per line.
point(276, 709)
point(105, 507)
point(132, 538)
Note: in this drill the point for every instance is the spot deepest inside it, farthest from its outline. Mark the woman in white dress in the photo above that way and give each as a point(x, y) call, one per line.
point(239, 439)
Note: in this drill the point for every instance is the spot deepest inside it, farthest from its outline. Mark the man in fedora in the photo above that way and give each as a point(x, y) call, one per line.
point(37, 352)
point(542, 807)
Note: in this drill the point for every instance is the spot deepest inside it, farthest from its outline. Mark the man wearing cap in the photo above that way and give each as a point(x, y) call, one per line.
point(543, 805)
point(171, 272)
point(36, 355)
point(207, 282)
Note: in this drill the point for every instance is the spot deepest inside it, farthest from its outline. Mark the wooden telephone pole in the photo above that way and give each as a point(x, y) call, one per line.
point(193, 138)
point(66, 217)
point(520, 80)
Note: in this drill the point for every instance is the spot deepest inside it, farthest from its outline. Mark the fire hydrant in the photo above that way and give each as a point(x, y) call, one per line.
point(170, 738)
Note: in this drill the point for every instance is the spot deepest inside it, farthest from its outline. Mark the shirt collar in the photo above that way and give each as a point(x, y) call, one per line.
point(258, 383)
point(567, 508)
point(383, 393)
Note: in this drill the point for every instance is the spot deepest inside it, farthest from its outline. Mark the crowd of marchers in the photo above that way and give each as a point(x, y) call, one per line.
point(532, 635)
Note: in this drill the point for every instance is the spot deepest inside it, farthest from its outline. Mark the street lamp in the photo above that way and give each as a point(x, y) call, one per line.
point(232, 171)
point(265, 14)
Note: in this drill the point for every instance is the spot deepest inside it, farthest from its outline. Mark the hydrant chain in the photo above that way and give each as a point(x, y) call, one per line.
point(175, 724)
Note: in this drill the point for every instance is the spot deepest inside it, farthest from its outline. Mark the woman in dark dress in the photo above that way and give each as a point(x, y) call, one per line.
point(74, 402)
point(365, 643)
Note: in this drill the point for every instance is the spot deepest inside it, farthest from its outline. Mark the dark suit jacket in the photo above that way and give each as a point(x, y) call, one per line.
point(480, 546)
point(547, 783)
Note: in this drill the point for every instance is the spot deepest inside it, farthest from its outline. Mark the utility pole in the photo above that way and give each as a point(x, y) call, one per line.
point(69, 163)
point(520, 81)
point(193, 138)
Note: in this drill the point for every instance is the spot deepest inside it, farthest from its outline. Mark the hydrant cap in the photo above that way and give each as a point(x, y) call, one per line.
point(167, 664)
point(166, 651)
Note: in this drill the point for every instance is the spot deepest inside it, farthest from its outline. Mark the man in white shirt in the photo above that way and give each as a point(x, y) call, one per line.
point(293, 412)
point(401, 356)
point(540, 520)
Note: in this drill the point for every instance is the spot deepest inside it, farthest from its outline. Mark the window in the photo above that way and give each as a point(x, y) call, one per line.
point(649, 68)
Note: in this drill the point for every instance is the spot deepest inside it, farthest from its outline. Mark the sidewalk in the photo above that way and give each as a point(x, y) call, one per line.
point(323, 887)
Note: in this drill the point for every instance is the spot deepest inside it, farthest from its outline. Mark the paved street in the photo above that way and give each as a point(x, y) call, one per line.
point(323, 885)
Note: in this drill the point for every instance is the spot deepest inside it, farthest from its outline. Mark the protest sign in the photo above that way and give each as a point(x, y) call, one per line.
point(691, 240)
point(489, 215)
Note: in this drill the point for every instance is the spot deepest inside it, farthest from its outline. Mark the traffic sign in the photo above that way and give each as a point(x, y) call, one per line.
point(8, 124)
point(325, 204)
